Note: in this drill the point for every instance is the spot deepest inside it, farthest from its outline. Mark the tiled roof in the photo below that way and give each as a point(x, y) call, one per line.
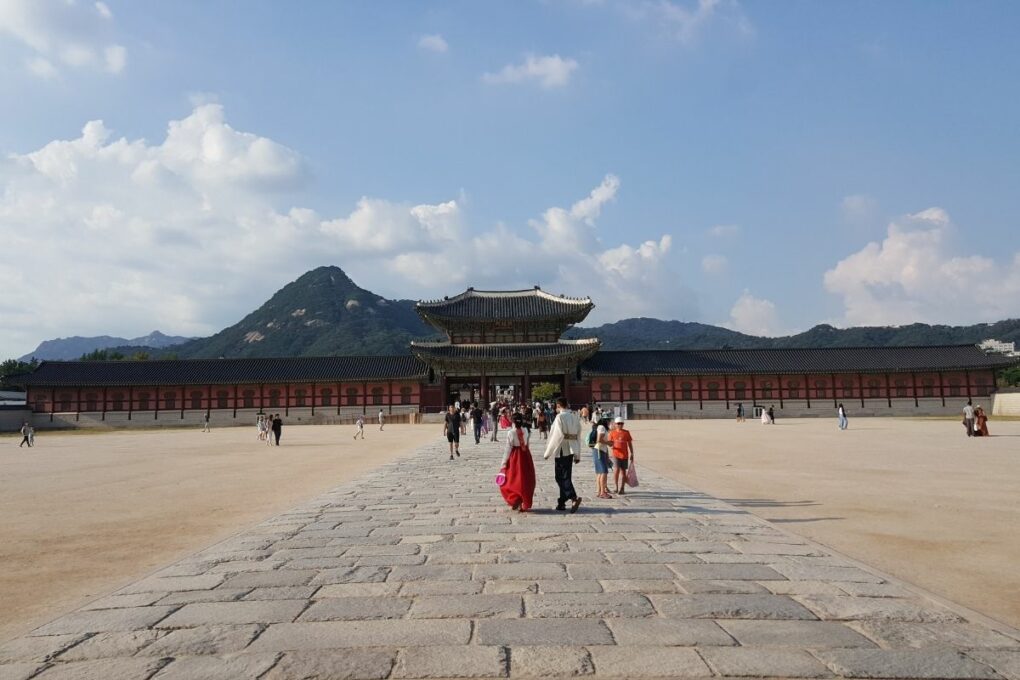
point(226, 371)
point(777, 361)
point(480, 305)
point(503, 352)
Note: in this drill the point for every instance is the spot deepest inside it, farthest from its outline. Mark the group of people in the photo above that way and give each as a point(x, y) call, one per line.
point(974, 420)
point(610, 446)
point(270, 428)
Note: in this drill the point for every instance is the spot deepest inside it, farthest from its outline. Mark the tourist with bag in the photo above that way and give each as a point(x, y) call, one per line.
point(623, 454)
point(565, 445)
point(599, 445)
point(516, 476)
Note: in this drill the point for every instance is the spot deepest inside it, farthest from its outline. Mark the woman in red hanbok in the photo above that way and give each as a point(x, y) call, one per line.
point(519, 487)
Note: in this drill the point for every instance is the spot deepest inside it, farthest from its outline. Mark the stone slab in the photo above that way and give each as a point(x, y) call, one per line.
point(669, 632)
point(211, 613)
point(550, 662)
point(230, 667)
point(349, 664)
point(802, 634)
point(356, 609)
point(105, 620)
point(585, 605)
point(343, 634)
point(202, 641)
point(468, 606)
point(451, 662)
point(104, 669)
point(648, 662)
point(570, 632)
point(905, 663)
point(778, 607)
point(741, 662)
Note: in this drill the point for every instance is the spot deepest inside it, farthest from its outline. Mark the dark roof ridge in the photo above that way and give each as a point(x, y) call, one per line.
point(793, 349)
point(121, 362)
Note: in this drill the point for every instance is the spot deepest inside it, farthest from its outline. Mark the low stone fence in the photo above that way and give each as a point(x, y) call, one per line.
point(217, 418)
point(1007, 402)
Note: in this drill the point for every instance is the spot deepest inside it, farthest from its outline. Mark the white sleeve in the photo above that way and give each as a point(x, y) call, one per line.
point(510, 435)
point(555, 439)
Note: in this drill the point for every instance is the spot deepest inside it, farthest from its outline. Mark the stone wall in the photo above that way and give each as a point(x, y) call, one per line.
point(799, 408)
point(12, 418)
point(244, 417)
point(1007, 403)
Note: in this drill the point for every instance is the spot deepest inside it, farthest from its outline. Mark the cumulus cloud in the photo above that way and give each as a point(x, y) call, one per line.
point(189, 233)
point(63, 33)
point(724, 231)
point(549, 71)
point(714, 264)
point(433, 43)
point(754, 316)
point(916, 274)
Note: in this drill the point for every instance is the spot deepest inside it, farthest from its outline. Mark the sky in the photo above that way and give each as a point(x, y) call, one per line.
point(763, 166)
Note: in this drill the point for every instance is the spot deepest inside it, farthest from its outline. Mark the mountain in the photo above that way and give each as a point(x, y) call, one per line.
point(74, 347)
point(321, 313)
point(642, 333)
point(325, 313)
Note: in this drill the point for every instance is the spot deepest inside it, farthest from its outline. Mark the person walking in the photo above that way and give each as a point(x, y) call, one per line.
point(277, 428)
point(360, 425)
point(31, 434)
point(772, 415)
point(623, 453)
point(599, 445)
point(841, 415)
point(382, 420)
point(205, 423)
point(25, 439)
point(451, 428)
point(495, 423)
point(740, 413)
point(968, 418)
point(980, 422)
point(476, 422)
point(518, 468)
point(565, 445)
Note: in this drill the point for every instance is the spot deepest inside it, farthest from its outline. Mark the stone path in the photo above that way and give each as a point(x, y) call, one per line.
point(419, 570)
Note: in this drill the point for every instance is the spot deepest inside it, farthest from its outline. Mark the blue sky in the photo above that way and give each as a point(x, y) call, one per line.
point(767, 166)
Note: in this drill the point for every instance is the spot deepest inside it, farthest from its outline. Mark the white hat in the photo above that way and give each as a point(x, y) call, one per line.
point(618, 420)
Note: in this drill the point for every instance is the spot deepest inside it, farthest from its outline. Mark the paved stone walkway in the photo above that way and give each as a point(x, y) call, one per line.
point(418, 570)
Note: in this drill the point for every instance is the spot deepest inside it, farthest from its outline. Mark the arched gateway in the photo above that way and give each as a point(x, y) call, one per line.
point(501, 342)
point(509, 341)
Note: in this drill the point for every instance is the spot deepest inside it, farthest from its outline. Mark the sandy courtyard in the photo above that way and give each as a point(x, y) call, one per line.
point(83, 514)
point(914, 498)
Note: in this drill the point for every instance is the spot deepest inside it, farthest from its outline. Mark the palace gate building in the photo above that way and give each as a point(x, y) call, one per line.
point(503, 343)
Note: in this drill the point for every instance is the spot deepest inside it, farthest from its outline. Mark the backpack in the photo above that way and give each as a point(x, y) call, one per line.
point(593, 438)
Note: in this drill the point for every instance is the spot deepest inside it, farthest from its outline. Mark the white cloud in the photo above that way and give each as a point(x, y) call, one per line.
point(549, 71)
point(189, 233)
point(55, 33)
point(724, 231)
point(858, 208)
point(915, 274)
point(433, 43)
point(754, 316)
point(714, 264)
point(686, 22)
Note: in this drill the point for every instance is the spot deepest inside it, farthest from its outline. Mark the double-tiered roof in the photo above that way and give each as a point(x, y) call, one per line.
point(517, 331)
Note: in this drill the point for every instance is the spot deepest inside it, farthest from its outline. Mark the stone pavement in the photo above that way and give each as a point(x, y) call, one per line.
point(419, 570)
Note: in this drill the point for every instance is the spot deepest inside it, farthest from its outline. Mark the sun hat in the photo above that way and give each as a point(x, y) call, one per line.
point(618, 420)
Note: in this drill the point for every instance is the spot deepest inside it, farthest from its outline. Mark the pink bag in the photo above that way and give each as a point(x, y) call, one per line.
point(500, 479)
point(632, 475)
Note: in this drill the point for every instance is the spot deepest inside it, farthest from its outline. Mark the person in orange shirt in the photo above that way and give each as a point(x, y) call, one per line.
point(623, 453)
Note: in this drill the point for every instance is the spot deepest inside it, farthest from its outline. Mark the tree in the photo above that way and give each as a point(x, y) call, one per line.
point(102, 355)
point(1010, 377)
point(544, 391)
point(13, 367)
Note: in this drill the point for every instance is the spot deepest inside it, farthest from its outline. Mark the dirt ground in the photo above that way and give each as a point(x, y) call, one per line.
point(914, 498)
point(83, 514)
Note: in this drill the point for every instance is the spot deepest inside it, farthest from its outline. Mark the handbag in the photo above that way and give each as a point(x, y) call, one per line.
point(632, 479)
point(500, 479)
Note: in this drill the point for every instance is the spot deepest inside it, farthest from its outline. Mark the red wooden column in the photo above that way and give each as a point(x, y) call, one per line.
point(860, 387)
point(155, 412)
point(779, 384)
point(672, 381)
point(364, 398)
point(966, 376)
point(235, 401)
point(701, 399)
point(754, 394)
point(104, 403)
point(339, 397)
point(942, 390)
point(286, 399)
point(913, 379)
point(131, 400)
point(53, 402)
point(888, 393)
point(389, 397)
point(648, 396)
point(77, 406)
point(835, 397)
point(807, 389)
point(726, 389)
point(183, 390)
point(313, 398)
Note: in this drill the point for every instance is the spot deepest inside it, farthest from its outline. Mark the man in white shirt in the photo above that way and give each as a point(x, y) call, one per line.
point(565, 445)
point(382, 419)
point(968, 418)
